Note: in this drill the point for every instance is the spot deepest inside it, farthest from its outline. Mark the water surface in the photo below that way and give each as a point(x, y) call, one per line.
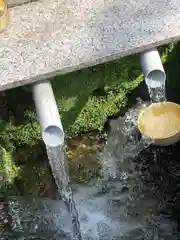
point(122, 190)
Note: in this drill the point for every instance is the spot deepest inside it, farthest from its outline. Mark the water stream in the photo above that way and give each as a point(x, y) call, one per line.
point(58, 163)
point(131, 197)
point(157, 94)
point(129, 204)
point(123, 142)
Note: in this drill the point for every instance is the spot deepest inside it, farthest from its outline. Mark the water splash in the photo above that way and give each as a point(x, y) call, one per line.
point(100, 216)
point(124, 141)
point(58, 163)
point(157, 94)
point(126, 207)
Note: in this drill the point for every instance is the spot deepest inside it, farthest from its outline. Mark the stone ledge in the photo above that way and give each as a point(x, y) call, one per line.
point(52, 37)
point(13, 3)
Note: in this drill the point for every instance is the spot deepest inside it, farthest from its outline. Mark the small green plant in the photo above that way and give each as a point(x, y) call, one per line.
point(8, 170)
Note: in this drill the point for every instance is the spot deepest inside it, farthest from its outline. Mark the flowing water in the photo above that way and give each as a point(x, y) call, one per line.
point(124, 141)
point(132, 197)
point(157, 94)
point(58, 163)
point(129, 201)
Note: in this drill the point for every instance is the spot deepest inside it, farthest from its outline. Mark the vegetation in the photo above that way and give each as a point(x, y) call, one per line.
point(85, 99)
point(8, 172)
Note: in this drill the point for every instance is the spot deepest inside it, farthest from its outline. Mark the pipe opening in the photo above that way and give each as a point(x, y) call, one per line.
point(53, 136)
point(155, 78)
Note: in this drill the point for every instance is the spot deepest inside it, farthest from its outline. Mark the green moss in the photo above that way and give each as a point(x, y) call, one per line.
point(85, 99)
point(35, 179)
point(24, 134)
point(8, 170)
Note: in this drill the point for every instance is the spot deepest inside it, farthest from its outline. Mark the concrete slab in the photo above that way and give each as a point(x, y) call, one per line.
point(52, 37)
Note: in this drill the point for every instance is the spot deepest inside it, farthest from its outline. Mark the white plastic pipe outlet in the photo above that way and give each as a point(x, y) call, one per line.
point(48, 114)
point(152, 68)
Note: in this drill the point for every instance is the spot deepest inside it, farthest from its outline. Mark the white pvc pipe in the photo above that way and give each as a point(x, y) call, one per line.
point(152, 68)
point(48, 115)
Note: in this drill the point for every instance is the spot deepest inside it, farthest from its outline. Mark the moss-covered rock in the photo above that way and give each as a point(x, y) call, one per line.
point(35, 179)
point(87, 97)
point(84, 157)
point(8, 171)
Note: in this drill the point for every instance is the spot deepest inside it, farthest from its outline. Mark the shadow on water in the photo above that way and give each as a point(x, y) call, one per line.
point(161, 171)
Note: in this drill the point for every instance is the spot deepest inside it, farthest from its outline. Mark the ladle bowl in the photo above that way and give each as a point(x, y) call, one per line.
point(160, 122)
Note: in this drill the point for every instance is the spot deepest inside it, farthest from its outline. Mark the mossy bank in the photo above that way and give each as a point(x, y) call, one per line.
point(85, 99)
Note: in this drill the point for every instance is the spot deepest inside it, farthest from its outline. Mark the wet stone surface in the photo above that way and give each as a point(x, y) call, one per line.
point(4, 221)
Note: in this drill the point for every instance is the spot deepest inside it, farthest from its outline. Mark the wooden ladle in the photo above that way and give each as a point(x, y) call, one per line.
point(161, 123)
